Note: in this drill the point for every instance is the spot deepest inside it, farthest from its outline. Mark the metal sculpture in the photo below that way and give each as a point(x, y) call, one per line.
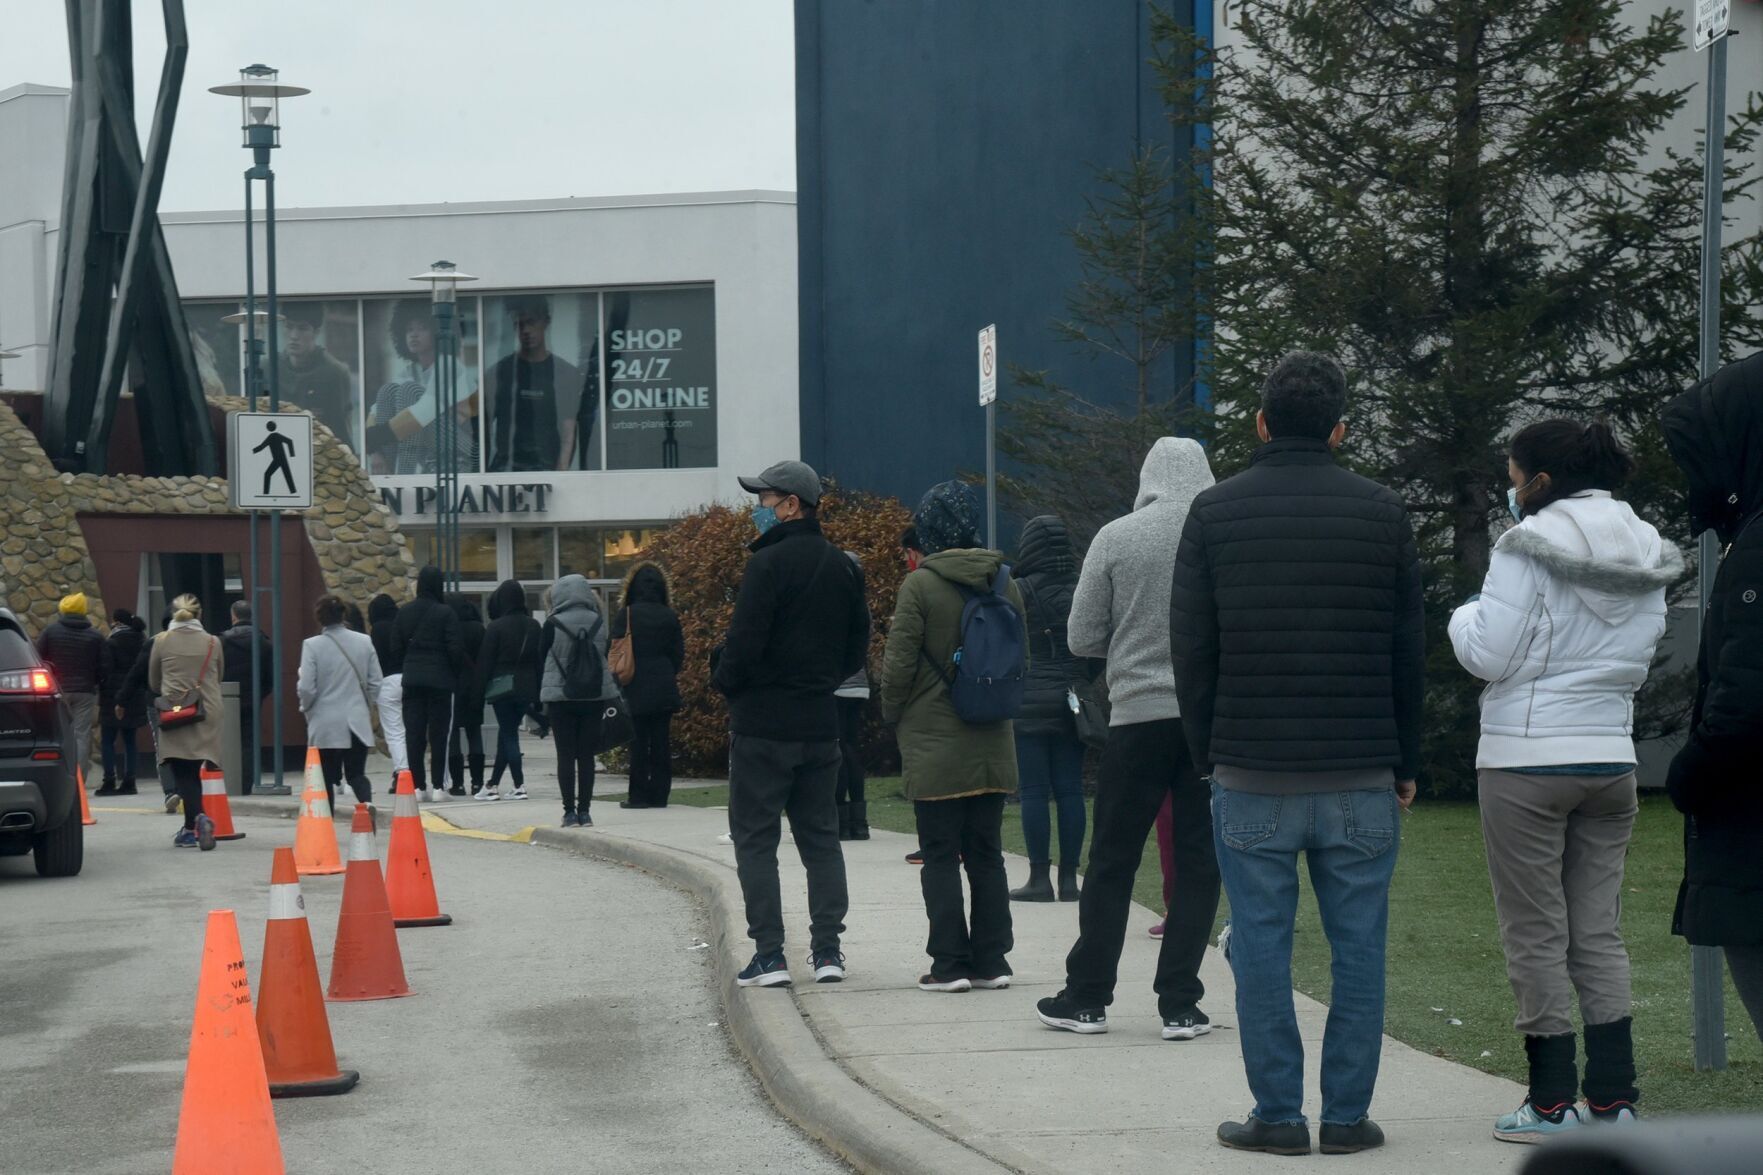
point(116, 308)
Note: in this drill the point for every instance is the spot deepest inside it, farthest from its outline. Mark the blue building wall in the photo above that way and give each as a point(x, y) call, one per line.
point(944, 151)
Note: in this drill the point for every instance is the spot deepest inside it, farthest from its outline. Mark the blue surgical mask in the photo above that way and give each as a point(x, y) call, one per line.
point(764, 518)
point(1512, 504)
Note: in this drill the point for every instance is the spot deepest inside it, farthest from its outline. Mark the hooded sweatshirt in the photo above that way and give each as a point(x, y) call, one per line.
point(575, 616)
point(1121, 608)
point(426, 640)
point(1046, 571)
point(1564, 632)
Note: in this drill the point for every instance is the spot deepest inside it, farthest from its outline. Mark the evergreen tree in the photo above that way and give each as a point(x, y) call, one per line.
point(1462, 200)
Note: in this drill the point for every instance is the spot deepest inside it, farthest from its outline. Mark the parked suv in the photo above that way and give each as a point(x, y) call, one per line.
point(39, 810)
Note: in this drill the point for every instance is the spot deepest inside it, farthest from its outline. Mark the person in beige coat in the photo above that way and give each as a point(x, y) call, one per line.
point(186, 665)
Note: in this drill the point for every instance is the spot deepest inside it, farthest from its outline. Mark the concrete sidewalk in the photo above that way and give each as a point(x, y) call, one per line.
point(898, 1079)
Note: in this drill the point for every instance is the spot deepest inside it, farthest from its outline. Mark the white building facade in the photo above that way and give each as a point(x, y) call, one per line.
point(619, 362)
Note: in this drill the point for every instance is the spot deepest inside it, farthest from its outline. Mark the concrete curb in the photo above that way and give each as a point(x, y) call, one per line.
point(281, 807)
point(813, 1091)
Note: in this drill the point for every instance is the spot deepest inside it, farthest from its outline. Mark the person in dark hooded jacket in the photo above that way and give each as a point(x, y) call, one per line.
point(468, 701)
point(382, 619)
point(508, 675)
point(1049, 757)
point(118, 723)
point(1715, 434)
point(425, 640)
point(658, 646)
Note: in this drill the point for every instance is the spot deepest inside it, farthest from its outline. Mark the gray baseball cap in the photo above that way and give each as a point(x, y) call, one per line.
point(787, 477)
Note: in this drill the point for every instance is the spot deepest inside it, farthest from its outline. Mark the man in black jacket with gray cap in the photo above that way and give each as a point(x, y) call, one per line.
point(800, 628)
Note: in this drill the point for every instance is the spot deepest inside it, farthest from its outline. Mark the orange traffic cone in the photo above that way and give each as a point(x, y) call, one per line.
point(409, 883)
point(226, 1122)
point(365, 963)
point(79, 776)
point(291, 1020)
point(315, 840)
point(217, 807)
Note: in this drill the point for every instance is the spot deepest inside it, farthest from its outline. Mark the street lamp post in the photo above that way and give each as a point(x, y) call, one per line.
point(253, 321)
point(444, 278)
point(260, 93)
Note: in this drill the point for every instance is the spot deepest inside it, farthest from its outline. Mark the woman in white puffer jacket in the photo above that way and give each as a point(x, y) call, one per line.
point(1563, 632)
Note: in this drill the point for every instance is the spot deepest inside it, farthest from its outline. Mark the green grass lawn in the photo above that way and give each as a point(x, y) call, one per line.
point(1444, 950)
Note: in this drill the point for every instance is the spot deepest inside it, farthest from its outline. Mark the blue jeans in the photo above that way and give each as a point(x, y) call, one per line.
point(1349, 841)
point(1051, 764)
point(109, 735)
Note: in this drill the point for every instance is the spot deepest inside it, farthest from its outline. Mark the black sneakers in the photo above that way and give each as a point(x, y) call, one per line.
point(1059, 1011)
point(765, 971)
point(1288, 1138)
point(1362, 1135)
point(828, 966)
point(1186, 1025)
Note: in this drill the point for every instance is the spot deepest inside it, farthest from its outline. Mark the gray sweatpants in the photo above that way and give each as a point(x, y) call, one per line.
point(1556, 846)
point(82, 712)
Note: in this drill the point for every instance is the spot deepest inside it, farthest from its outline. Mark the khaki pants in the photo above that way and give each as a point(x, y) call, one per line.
point(1556, 846)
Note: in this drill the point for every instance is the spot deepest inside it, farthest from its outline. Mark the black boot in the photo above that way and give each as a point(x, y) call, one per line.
point(1068, 883)
point(456, 772)
point(127, 788)
point(108, 788)
point(859, 820)
point(845, 822)
point(476, 763)
point(1039, 887)
point(1554, 1071)
point(1609, 1068)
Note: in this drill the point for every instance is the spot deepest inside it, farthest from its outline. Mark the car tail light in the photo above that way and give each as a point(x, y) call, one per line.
point(50, 755)
point(28, 681)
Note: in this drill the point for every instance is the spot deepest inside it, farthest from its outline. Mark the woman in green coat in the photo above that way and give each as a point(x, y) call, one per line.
point(956, 774)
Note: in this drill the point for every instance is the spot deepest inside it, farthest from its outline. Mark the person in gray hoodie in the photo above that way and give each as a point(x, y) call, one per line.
point(1121, 612)
point(574, 706)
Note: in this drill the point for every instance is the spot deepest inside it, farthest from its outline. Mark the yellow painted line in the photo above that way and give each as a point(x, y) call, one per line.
point(433, 821)
point(106, 808)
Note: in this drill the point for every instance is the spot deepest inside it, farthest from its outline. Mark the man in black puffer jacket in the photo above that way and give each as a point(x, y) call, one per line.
point(1296, 629)
point(426, 641)
point(76, 652)
point(1711, 431)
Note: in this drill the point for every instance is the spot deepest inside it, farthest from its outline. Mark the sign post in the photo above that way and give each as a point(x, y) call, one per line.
point(988, 398)
point(269, 460)
point(1707, 964)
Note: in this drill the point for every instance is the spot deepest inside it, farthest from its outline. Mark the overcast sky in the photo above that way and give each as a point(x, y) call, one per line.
point(420, 101)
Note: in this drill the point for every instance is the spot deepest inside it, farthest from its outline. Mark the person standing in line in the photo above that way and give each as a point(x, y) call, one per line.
point(852, 696)
point(1121, 612)
point(509, 670)
point(426, 643)
point(658, 647)
point(914, 556)
point(183, 668)
point(1296, 632)
point(119, 722)
point(382, 622)
point(800, 627)
point(339, 687)
point(468, 701)
point(1563, 631)
point(137, 692)
point(576, 687)
point(75, 650)
point(956, 773)
point(1712, 432)
point(1049, 756)
point(236, 642)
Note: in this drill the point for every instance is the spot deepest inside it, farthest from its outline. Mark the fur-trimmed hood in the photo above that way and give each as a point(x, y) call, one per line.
point(646, 583)
point(1601, 549)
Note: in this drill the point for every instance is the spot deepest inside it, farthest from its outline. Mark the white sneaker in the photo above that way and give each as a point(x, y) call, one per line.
point(723, 838)
point(440, 795)
point(489, 795)
point(518, 793)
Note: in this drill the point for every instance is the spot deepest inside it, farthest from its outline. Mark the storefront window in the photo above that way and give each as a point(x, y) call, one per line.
point(320, 366)
point(533, 553)
point(219, 347)
point(477, 552)
point(580, 551)
point(401, 364)
point(541, 380)
point(661, 379)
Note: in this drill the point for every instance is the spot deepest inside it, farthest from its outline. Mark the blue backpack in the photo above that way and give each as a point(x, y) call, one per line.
point(992, 659)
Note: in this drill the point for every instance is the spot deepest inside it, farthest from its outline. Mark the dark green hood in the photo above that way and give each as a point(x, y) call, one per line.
point(972, 567)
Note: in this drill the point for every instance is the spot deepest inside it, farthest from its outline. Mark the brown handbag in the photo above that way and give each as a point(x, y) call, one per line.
point(621, 658)
point(190, 710)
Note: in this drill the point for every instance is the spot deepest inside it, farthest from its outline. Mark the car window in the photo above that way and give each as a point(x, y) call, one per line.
point(15, 651)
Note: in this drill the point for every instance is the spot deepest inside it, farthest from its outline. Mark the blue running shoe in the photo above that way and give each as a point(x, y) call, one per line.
point(1529, 1124)
point(765, 971)
point(185, 839)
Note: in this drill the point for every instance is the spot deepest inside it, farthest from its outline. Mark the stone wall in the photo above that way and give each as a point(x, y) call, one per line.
point(43, 554)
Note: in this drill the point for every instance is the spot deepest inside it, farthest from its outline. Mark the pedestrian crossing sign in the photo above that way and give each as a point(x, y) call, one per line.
point(269, 460)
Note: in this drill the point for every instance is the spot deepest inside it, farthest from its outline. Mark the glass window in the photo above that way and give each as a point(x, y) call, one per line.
point(220, 347)
point(623, 549)
point(661, 378)
point(400, 366)
point(477, 551)
point(533, 555)
point(580, 551)
point(320, 364)
point(541, 379)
